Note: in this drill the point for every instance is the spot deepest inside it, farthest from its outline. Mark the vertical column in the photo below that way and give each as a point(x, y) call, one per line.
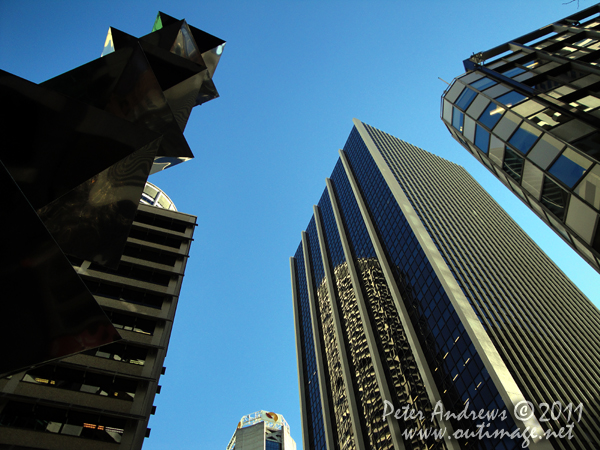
point(368, 329)
point(339, 336)
point(318, 338)
point(299, 356)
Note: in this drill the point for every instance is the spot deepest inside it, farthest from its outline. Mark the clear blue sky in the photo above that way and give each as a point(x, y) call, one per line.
point(292, 76)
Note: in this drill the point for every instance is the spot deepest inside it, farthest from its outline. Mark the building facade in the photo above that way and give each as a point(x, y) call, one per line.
point(262, 430)
point(414, 291)
point(104, 396)
point(92, 273)
point(529, 110)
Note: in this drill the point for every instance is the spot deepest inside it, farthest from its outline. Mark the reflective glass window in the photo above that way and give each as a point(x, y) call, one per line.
point(582, 219)
point(496, 150)
point(470, 76)
point(511, 98)
point(569, 167)
point(590, 145)
point(561, 91)
point(554, 198)
point(465, 99)
point(513, 164)
point(482, 139)
point(548, 119)
point(512, 72)
point(572, 130)
point(544, 152)
point(454, 91)
point(483, 83)
point(477, 107)
point(491, 115)
point(469, 131)
point(507, 125)
point(458, 119)
point(447, 111)
point(589, 188)
point(527, 108)
point(524, 138)
point(586, 103)
point(496, 91)
point(533, 178)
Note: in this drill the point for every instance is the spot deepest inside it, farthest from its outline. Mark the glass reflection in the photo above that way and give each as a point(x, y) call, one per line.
point(491, 115)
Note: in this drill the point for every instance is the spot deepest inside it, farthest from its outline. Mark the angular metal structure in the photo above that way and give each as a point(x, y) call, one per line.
point(77, 152)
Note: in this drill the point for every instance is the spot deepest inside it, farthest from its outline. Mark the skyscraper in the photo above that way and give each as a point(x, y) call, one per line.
point(104, 396)
point(529, 110)
point(413, 289)
point(262, 430)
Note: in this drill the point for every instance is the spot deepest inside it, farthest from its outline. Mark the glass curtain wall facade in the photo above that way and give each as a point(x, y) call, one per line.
point(103, 397)
point(529, 110)
point(411, 285)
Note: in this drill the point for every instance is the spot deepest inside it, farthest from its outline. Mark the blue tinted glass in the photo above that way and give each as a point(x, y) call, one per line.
point(482, 139)
point(465, 99)
point(271, 445)
point(567, 171)
point(511, 98)
point(491, 115)
point(523, 140)
point(458, 119)
point(513, 72)
point(483, 84)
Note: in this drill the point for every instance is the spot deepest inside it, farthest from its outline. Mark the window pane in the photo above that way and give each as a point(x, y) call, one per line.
point(511, 98)
point(545, 151)
point(569, 167)
point(465, 99)
point(548, 119)
point(512, 72)
point(482, 84)
point(491, 115)
point(513, 164)
point(524, 138)
point(589, 188)
point(458, 120)
point(482, 139)
point(554, 198)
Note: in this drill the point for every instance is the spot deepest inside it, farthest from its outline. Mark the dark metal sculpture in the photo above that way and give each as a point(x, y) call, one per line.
point(76, 153)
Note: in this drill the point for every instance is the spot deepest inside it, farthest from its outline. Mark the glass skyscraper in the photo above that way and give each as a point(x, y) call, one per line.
point(529, 110)
point(413, 289)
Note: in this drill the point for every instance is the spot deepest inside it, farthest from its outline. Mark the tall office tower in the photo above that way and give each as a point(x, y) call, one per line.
point(412, 288)
point(262, 430)
point(529, 110)
point(104, 396)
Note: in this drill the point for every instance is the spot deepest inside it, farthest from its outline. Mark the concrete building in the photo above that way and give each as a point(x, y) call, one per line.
point(262, 430)
point(104, 396)
point(413, 290)
point(529, 110)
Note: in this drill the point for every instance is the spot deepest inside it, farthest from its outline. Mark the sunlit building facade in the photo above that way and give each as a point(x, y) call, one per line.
point(412, 288)
point(262, 430)
point(529, 110)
